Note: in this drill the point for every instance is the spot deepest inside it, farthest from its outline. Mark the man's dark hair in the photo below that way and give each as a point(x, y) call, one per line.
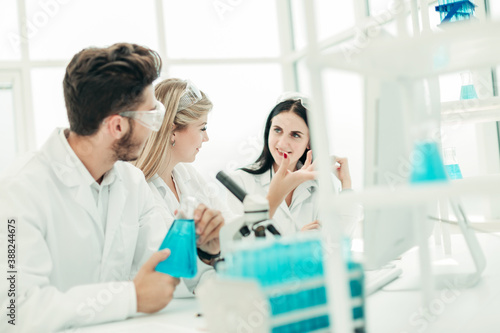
point(104, 81)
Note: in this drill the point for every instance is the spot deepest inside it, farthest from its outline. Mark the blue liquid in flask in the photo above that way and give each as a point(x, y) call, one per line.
point(181, 240)
point(451, 163)
point(453, 171)
point(468, 92)
point(427, 164)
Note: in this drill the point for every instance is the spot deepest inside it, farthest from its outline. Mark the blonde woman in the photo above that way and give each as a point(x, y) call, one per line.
point(165, 163)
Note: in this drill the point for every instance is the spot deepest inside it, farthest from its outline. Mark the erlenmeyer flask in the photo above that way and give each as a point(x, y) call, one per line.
point(467, 91)
point(181, 240)
point(451, 163)
point(427, 165)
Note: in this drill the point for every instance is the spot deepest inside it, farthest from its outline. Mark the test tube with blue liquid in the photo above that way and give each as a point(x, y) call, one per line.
point(278, 265)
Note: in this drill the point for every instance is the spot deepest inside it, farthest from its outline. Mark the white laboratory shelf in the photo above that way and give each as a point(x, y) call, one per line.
point(467, 46)
point(471, 111)
point(420, 194)
point(471, 45)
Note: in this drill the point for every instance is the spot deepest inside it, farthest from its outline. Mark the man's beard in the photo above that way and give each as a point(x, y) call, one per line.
point(126, 149)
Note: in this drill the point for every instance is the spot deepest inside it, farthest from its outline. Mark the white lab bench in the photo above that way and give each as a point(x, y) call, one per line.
point(475, 309)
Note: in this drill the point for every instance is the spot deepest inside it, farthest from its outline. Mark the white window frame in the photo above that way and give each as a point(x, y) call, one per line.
point(288, 60)
point(24, 66)
point(22, 120)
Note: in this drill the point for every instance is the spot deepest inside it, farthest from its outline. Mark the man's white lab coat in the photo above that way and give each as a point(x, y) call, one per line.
point(73, 268)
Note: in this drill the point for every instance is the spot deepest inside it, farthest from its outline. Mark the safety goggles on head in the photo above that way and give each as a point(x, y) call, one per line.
point(190, 96)
point(151, 119)
point(294, 96)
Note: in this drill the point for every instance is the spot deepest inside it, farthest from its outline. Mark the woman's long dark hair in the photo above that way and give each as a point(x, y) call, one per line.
point(265, 160)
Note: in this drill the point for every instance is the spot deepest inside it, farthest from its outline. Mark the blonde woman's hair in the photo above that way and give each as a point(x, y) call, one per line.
point(156, 155)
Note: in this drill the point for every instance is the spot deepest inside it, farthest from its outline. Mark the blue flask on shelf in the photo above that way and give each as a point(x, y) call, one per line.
point(451, 163)
point(427, 165)
point(467, 91)
point(455, 10)
point(181, 240)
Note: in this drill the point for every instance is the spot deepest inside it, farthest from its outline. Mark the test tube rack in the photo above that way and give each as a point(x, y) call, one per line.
point(290, 272)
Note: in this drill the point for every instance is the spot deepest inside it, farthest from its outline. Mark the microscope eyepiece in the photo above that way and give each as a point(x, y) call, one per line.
point(230, 184)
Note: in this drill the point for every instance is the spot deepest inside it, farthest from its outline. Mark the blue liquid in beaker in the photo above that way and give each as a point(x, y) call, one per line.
point(468, 92)
point(181, 240)
point(427, 164)
point(453, 171)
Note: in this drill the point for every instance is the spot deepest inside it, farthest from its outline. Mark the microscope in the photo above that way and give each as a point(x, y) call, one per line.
point(255, 220)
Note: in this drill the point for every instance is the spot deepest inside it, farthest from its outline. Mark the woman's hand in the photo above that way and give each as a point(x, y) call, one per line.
point(284, 181)
point(342, 171)
point(314, 225)
point(208, 224)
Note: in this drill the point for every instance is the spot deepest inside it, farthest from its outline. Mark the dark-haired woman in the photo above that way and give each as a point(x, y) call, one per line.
point(285, 175)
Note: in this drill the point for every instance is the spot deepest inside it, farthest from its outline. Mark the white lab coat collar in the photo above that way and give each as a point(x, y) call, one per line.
point(162, 187)
point(67, 166)
point(265, 178)
point(181, 178)
point(181, 175)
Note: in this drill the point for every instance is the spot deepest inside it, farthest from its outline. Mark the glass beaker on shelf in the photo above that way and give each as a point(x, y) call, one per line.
point(451, 163)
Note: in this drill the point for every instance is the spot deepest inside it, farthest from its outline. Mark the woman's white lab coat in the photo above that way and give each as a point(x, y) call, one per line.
point(68, 260)
point(303, 208)
point(189, 182)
